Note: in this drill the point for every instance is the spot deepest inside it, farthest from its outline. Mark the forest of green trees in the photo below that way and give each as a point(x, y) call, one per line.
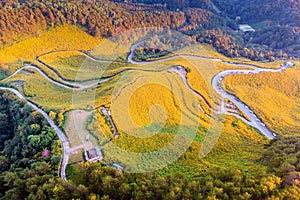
point(277, 25)
point(278, 22)
point(24, 136)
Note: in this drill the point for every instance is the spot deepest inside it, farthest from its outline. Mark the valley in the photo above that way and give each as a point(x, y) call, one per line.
point(148, 99)
point(248, 116)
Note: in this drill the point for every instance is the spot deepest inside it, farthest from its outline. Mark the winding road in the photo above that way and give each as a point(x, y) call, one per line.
point(254, 120)
point(63, 83)
point(216, 84)
point(63, 139)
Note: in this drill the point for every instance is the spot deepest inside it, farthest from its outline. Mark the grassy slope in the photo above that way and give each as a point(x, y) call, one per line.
point(74, 66)
point(36, 87)
point(65, 37)
point(273, 96)
point(65, 63)
point(46, 94)
point(237, 148)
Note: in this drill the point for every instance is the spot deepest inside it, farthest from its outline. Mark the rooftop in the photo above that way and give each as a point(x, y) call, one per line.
point(92, 153)
point(118, 167)
point(46, 153)
point(246, 28)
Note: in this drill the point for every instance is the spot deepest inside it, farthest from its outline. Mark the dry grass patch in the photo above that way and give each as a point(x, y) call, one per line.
point(76, 156)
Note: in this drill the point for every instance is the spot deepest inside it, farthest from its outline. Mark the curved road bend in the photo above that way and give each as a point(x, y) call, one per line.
point(82, 53)
point(63, 83)
point(216, 83)
point(254, 120)
point(76, 86)
point(63, 139)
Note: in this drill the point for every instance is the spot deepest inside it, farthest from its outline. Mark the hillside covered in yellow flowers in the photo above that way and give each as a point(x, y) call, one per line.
point(159, 99)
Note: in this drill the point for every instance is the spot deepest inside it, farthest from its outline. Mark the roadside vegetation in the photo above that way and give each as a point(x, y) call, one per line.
point(282, 158)
point(27, 142)
point(75, 66)
point(274, 97)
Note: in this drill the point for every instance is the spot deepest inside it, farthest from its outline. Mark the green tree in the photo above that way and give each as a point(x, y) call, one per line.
point(35, 128)
point(35, 140)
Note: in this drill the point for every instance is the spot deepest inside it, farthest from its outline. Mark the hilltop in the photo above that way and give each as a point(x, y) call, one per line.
point(213, 22)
